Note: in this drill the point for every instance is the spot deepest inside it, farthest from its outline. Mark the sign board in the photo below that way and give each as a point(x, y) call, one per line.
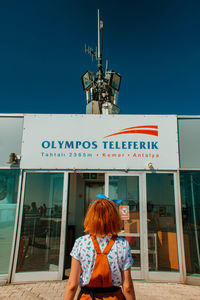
point(124, 212)
point(106, 142)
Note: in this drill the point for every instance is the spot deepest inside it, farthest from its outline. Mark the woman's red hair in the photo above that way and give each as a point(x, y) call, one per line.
point(102, 218)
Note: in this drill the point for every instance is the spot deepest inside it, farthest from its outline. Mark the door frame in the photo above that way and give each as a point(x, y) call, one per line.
point(137, 274)
point(42, 275)
point(180, 275)
point(7, 277)
point(145, 274)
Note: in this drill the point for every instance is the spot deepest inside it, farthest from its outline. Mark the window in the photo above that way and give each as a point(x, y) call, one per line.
point(8, 199)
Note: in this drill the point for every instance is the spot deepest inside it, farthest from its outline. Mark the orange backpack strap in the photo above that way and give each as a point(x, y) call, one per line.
point(101, 276)
point(110, 244)
point(108, 247)
point(96, 244)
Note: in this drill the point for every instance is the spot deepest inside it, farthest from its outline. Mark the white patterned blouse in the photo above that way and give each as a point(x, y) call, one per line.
point(119, 257)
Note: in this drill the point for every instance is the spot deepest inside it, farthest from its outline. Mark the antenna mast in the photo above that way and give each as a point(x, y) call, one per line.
point(98, 38)
point(101, 88)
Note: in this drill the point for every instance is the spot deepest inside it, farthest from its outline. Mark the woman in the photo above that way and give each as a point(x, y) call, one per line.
point(101, 261)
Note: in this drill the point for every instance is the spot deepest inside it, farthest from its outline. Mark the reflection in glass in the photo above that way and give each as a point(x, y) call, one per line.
point(126, 188)
point(8, 199)
point(190, 197)
point(41, 223)
point(162, 238)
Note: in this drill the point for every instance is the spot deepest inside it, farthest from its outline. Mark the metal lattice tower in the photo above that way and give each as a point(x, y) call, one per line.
point(102, 88)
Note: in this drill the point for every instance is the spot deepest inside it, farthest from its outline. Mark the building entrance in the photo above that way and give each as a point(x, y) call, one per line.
point(53, 207)
point(148, 214)
point(83, 188)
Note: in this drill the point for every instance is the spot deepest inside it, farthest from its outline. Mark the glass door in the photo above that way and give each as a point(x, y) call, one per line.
point(128, 188)
point(190, 196)
point(83, 188)
point(41, 227)
point(163, 223)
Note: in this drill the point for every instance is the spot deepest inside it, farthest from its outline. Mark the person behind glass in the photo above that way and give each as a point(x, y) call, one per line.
point(101, 261)
point(34, 208)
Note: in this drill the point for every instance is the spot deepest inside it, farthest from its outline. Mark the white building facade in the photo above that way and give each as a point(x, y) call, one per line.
point(150, 162)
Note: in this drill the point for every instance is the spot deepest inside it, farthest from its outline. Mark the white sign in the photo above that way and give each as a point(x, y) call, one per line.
point(100, 142)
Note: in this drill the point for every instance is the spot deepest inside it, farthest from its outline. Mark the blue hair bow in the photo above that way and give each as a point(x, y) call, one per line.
point(102, 196)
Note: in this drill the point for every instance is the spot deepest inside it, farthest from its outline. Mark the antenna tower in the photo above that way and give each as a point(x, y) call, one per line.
point(102, 88)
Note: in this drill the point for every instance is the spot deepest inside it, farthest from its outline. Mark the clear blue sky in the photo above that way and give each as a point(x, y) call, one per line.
point(153, 44)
